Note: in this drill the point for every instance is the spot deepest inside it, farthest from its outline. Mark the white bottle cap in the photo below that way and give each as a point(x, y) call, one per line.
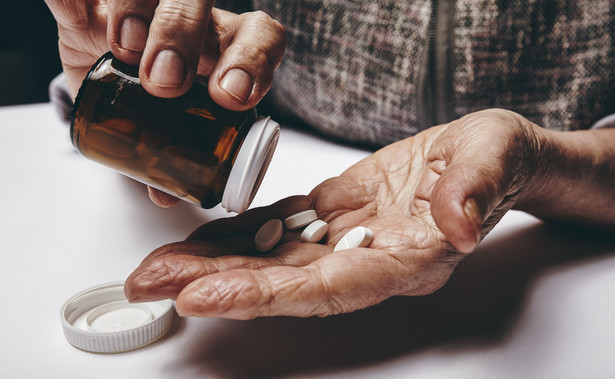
point(101, 320)
point(250, 165)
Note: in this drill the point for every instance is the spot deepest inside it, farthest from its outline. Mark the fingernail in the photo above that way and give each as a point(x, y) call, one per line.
point(238, 84)
point(133, 34)
point(161, 199)
point(470, 209)
point(168, 69)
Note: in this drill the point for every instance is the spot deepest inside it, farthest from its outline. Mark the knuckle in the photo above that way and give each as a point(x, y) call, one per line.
point(70, 14)
point(329, 302)
point(161, 267)
point(163, 272)
point(243, 296)
point(263, 20)
point(254, 54)
point(149, 281)
point(191, 17)
point(268, 33)
point(521, 147)
point(226, 295)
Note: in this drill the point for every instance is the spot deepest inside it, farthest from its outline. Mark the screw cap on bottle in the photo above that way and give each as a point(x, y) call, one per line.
point(250, 165)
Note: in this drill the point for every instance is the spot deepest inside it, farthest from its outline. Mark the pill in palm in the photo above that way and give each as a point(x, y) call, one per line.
point(314, 232)
point(268, 235)
point(300, 219)
point(357, 237)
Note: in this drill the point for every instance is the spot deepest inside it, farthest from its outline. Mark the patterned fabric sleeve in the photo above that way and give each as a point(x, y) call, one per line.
point(552, 61)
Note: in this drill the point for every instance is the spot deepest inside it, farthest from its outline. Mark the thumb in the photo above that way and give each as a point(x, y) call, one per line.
point(459, 204)
point(477, 185)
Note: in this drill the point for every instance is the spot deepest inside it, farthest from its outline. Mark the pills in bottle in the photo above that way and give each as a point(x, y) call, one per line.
point(187, 146)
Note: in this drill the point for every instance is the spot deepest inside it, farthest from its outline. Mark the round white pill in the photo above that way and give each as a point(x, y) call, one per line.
point(315, 231)
point(300, 219)
point(268, 235)
point(357, 237)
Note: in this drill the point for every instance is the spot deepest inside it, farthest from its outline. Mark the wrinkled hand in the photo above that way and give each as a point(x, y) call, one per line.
point(427, 199)
point(173, 41)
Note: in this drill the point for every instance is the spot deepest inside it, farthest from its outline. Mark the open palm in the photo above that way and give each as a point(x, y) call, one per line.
point(411, 194)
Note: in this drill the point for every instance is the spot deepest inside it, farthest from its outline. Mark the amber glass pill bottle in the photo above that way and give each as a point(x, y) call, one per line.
point(188, 146)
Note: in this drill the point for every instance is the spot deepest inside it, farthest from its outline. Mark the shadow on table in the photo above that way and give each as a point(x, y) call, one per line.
point(181, 219)
point(480, 303)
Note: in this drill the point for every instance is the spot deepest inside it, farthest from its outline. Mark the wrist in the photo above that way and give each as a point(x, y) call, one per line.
point(574, 177)
point(540, 168)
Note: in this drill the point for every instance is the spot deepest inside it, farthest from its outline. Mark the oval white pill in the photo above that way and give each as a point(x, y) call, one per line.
point(300, 219)
point(357, 237)
point(268, 235)
point(315, 231)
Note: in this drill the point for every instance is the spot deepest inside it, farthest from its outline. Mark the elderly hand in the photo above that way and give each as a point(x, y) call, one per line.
point(427, 199)
point(173, 41)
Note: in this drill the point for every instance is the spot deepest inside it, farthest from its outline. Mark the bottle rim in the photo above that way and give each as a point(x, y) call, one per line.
point(80, 93)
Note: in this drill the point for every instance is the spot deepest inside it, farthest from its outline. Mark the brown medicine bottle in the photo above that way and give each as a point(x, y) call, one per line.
point(188, 146)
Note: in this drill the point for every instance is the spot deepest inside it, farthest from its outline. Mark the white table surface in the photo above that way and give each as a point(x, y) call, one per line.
point(534, 301)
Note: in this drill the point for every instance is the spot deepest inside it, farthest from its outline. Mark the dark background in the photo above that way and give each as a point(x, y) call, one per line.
point(28, 52)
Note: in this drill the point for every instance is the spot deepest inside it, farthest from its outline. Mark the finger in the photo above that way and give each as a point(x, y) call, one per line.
point(250, 55)
point(175, 41)
point(79, 27)
point(475, 177)
point(170, 268)
point(337, 283)
point(161, 199)
point(167, 270)
point(454, 207)
point(341, 194)
point(69, 13)
point(128, 27)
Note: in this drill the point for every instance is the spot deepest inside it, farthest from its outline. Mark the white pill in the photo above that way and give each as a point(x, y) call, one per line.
point(315, 231)
point(300, 219)
point(268, 235)
point(357, 237)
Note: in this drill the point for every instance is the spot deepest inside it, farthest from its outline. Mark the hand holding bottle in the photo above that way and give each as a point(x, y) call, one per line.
point(173, 40)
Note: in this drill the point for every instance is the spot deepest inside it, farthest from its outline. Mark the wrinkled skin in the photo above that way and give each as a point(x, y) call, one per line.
point(209, 42)
point(428, 199)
